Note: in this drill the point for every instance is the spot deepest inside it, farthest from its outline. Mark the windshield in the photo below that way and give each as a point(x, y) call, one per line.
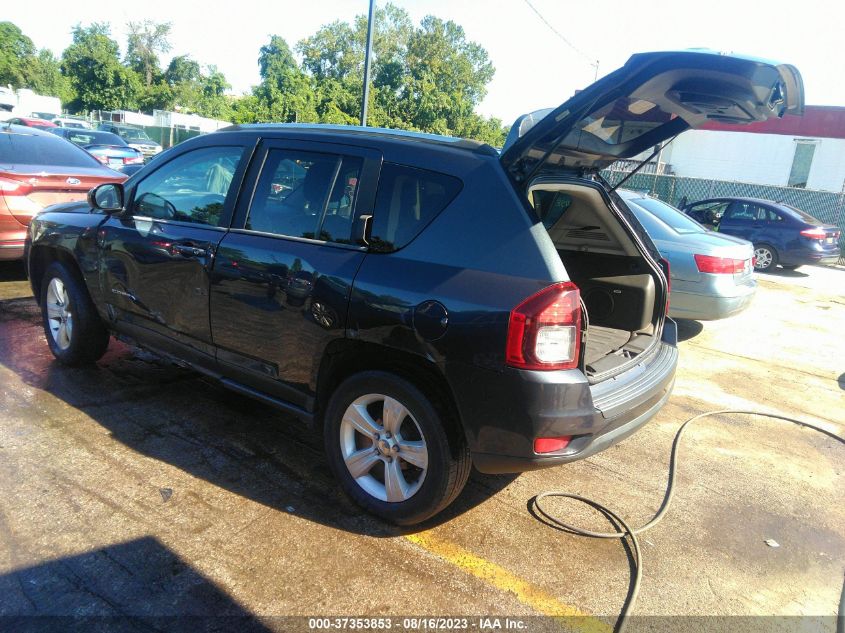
point(132, 134)
point(669, 215)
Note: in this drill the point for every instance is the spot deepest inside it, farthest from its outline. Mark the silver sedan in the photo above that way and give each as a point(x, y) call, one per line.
point(711, 273)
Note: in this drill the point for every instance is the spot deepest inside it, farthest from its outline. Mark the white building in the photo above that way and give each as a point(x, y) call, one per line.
point(806, 151)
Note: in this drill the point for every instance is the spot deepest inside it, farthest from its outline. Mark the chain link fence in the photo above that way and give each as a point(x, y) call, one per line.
point(168, 136)
point(827, 206)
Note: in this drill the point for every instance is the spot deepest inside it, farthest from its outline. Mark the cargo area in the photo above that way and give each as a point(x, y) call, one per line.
point(619, 289)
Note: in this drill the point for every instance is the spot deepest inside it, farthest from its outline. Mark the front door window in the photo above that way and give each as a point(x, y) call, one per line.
point(191, 188)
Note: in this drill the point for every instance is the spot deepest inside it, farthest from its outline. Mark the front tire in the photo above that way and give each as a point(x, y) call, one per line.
point(765, 258)
point(75, 333)
point(389, 446)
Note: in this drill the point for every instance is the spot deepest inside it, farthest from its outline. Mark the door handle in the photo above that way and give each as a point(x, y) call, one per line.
point(187, 250)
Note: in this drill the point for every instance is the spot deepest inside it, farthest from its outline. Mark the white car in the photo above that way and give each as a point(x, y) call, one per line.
point(81, 124)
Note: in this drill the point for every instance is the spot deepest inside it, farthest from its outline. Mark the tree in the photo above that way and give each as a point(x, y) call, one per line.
point(213, 102)
point(24, 67)
point(286, 92)
point(99, 80)
point(45, 77)
point(145, 41)
point(427, 78)
point(16, 49)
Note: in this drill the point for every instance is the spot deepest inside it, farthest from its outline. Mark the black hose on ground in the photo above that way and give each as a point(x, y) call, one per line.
point(631, 533)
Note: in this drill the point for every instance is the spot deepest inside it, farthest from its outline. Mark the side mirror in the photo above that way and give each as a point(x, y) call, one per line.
point(106, 197)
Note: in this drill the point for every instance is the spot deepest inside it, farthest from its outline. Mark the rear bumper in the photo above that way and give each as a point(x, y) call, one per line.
point(505, 412)
point(798, 256)
point(827, 260)
point(709, 307)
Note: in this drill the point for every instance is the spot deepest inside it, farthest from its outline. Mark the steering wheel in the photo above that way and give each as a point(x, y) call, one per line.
point(168, 210)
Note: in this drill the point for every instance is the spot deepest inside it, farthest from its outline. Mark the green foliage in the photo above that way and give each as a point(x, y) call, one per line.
point(99, 80)
point(46, 78)
point(16, 49)
point(24, 67)
point(428, 77)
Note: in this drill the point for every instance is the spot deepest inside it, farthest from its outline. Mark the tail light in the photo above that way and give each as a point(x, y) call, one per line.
point(815, 233)
point(9, 187)
point(664, 264)
point(133, 160)
point(102, 159)
point(544, 331)
point(719, 265)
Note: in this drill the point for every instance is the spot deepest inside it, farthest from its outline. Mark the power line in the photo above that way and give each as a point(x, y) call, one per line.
point(593, 63)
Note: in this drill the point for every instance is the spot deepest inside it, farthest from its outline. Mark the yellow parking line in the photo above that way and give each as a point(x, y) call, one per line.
point(502, 579)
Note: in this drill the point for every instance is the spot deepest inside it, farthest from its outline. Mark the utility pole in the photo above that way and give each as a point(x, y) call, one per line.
point(367, 56)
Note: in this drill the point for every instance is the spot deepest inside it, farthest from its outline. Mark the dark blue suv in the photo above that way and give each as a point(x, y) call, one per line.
point(424, 303)
point(781, 234)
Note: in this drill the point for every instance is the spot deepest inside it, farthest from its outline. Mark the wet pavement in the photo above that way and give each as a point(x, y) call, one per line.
point(138, 488)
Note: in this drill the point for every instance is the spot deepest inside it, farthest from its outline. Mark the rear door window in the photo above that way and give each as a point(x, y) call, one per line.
point(306, 194)
point(407, 200)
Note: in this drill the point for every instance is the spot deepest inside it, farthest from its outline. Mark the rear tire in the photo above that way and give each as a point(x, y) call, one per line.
point(389, 448)
point(765, 258)
point(75, 333)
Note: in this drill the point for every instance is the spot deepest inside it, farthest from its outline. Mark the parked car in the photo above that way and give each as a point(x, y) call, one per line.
point(30, 122)
point(711, 273)
point(38, 169)
point(106, 147)
point(443, 325)
point(134, 137)
point(781, 234)
point(80, 124)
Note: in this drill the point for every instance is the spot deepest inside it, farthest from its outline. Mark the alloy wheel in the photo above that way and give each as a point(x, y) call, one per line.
point(383, 448)
point(763, 257)
point(59, 316)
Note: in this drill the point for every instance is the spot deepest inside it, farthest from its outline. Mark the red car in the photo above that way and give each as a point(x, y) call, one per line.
point(38, 169)
point(32, 122)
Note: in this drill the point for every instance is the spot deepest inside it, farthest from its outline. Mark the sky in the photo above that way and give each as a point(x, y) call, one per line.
point(535, 67)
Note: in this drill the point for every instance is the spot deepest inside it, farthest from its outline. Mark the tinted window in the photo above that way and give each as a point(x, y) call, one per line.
point(305, 194)
point(670, 216)
point(190, 188)
point(24, 148)
point(406, 201)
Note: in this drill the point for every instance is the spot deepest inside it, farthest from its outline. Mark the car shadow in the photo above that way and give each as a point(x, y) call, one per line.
point(784, 272)
point(12, 271)
point(687, 329)
point(126, 586)
point(176, 416)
